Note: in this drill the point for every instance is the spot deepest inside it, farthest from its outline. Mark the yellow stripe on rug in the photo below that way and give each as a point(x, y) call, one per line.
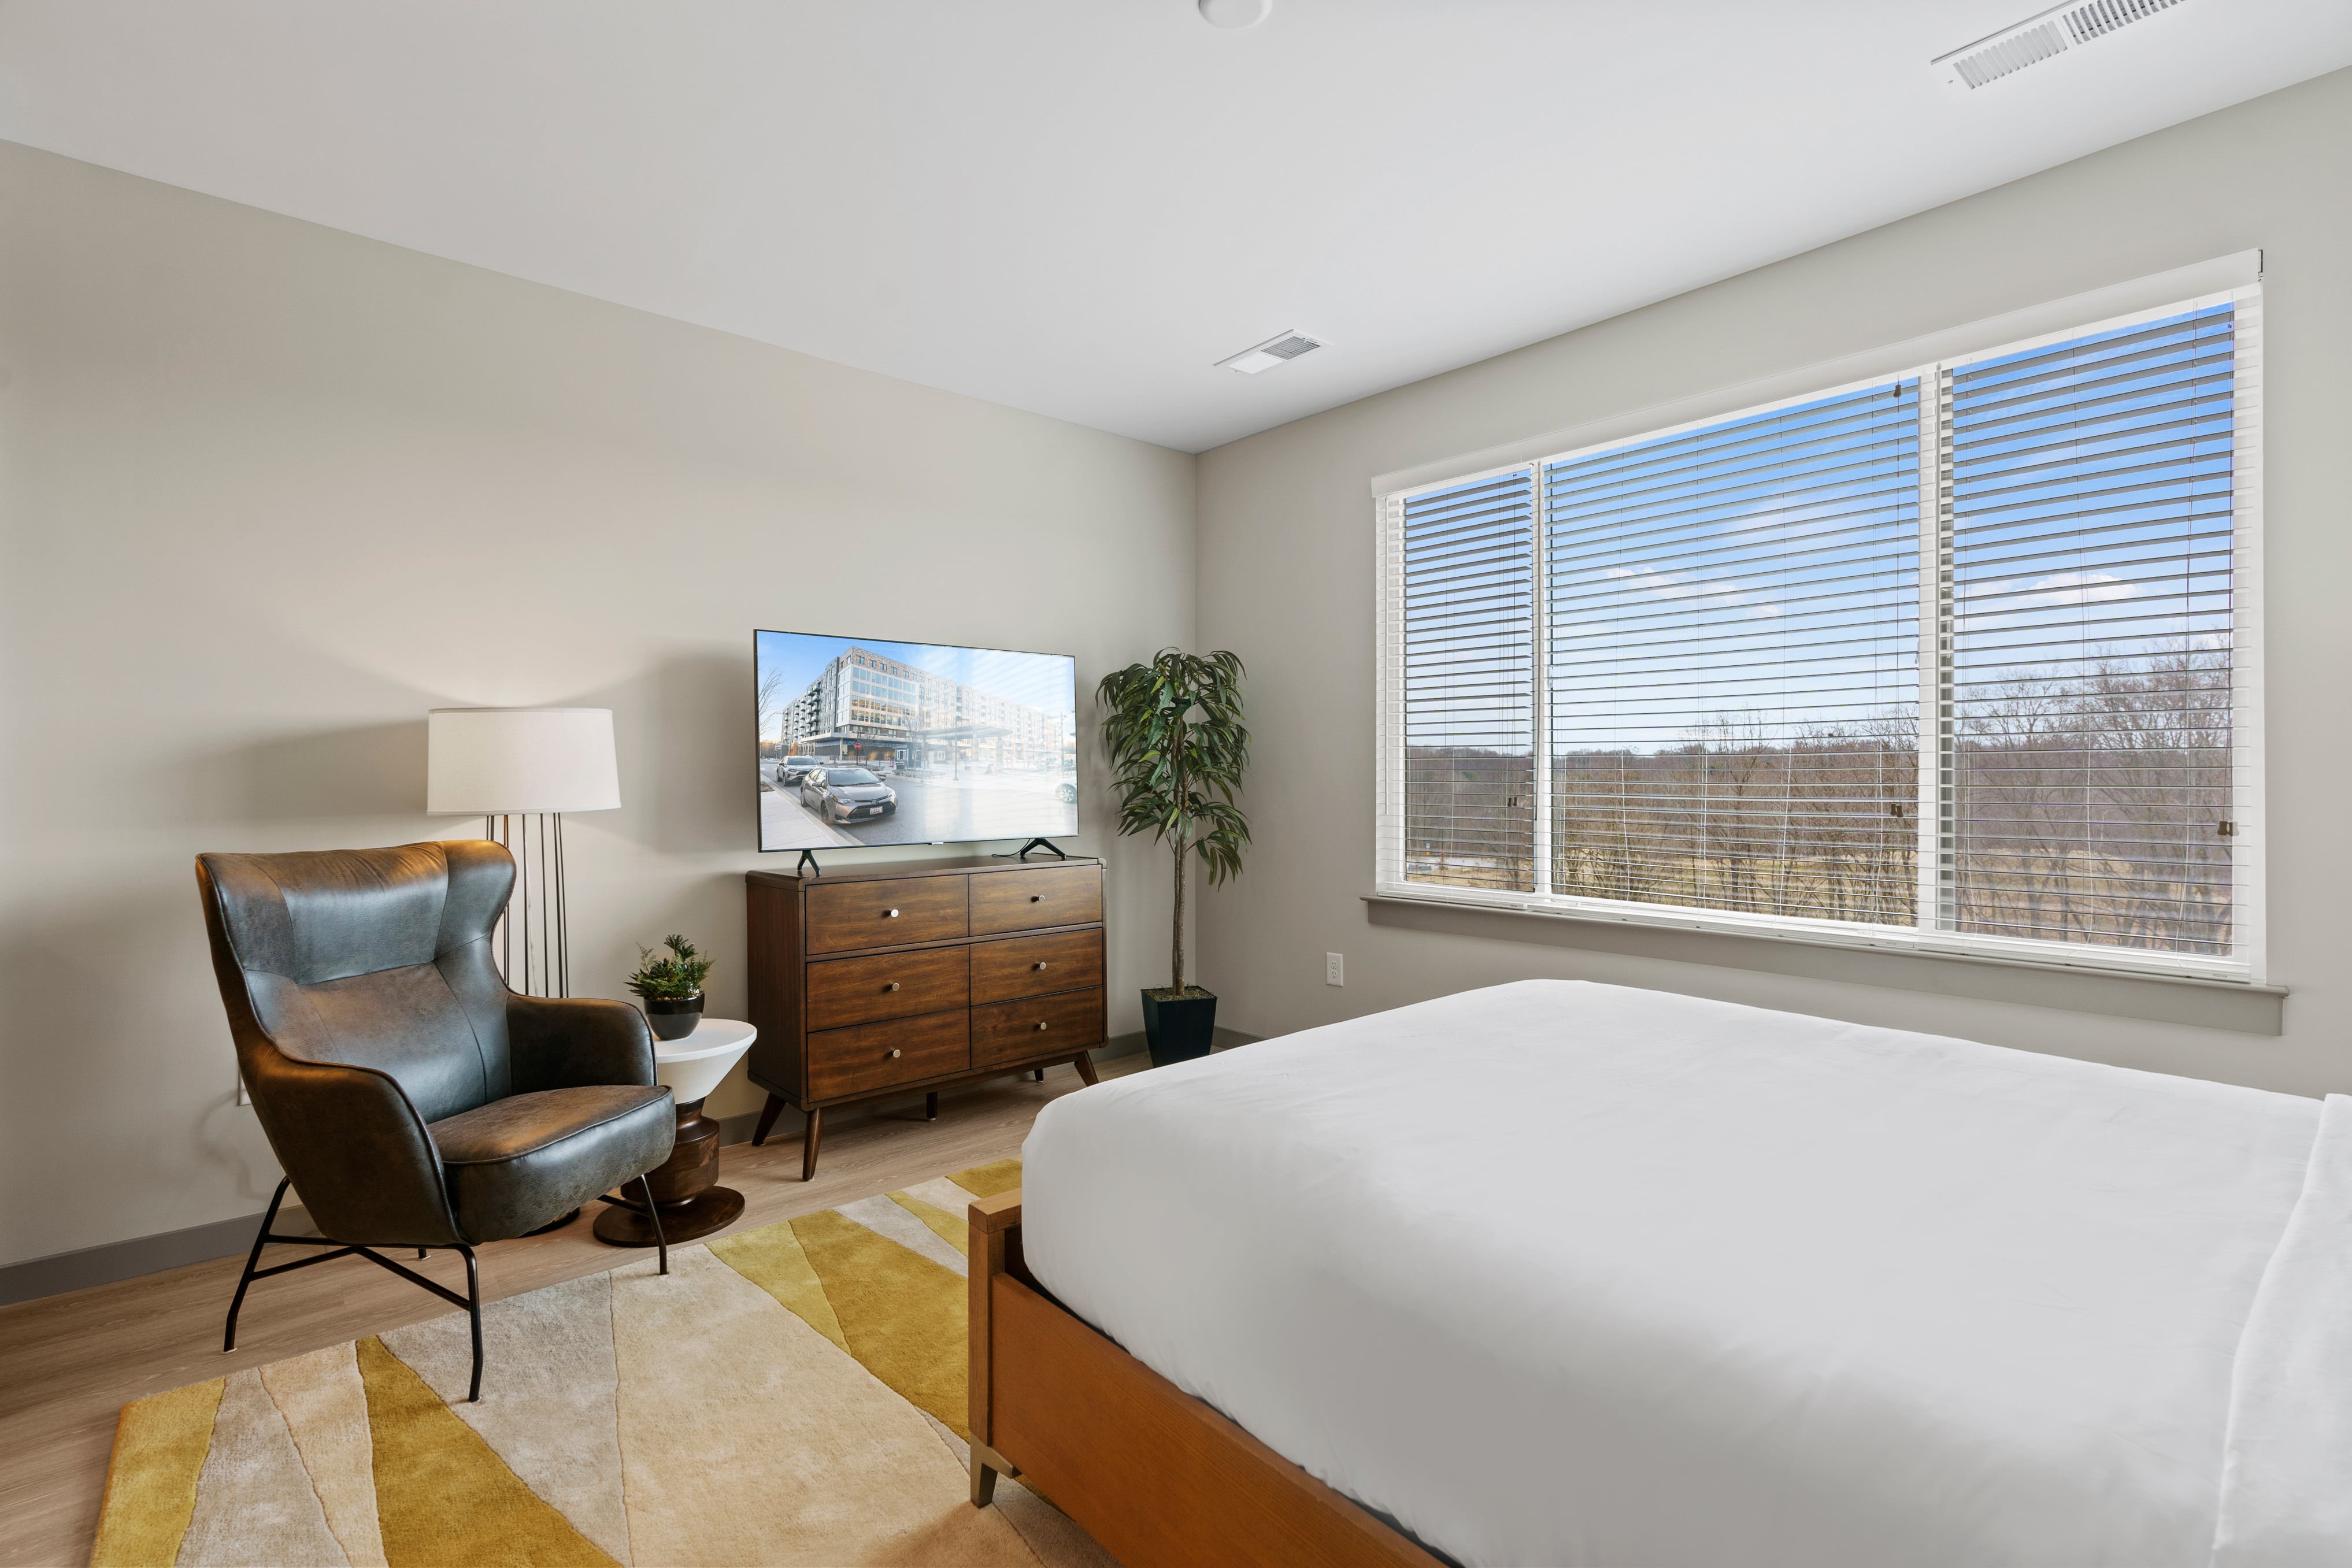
point(160, 1447)
point(442, 1496)
point(901, 1315)
point(771, 1259)
point(987, 1181)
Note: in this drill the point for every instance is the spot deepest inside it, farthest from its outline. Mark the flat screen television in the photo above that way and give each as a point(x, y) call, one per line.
point(866, 742)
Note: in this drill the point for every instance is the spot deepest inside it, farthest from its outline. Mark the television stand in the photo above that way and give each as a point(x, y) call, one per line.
point(808, 862)
point(1023, 853)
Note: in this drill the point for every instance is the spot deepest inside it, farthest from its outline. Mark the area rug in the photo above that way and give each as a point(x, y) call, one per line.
point(790, 1394)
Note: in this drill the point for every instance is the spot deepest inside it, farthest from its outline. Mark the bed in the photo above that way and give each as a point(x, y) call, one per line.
point(1635, 1277)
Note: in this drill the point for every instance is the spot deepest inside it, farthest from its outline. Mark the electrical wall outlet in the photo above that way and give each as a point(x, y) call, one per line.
point(1335, 969)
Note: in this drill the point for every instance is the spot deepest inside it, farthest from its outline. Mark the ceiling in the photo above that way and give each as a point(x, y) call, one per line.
point(1077, 206)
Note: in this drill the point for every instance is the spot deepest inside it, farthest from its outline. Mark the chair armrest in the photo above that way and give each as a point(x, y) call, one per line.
point(577, 1042)
point(354, 1145)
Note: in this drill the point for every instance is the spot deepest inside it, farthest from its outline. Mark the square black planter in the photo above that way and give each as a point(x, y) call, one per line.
point(1179, 1029)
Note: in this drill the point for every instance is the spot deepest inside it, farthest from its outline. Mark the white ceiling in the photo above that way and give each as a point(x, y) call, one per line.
point(1076, 206)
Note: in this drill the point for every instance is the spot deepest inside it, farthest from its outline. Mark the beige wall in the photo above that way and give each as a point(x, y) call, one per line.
point(270, 492)
point(1286, 572)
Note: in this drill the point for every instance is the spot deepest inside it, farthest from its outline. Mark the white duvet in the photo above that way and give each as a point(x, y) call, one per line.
point(1569, 1273)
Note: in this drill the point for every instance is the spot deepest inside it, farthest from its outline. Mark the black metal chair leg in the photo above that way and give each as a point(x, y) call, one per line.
point(252, 1261)
point(474, 1312)
point(652, 1218)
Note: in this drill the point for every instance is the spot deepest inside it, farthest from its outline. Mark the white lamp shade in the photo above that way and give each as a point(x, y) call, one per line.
point(493, 761)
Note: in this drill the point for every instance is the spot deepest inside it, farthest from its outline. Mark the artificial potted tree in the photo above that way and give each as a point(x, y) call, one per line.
point(1177, 747)
point(671, 988)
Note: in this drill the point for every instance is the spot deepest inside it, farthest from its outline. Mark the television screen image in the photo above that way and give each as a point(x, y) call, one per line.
point(868, 742)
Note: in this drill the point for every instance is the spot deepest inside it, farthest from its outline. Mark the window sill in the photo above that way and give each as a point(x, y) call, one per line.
point(2230, 1005)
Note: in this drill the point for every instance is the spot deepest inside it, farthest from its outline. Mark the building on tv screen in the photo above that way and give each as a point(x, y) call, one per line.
point(872, 742)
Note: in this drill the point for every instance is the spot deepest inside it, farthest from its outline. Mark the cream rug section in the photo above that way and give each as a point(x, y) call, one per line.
point(747, 1436)
point(255, 1500)
point(325, 1409)
point(899, 1223)
point(550, 1409)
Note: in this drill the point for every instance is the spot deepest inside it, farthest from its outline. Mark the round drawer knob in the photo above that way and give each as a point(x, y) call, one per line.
point(894, 1055)
point(1038, 964)
point(1036, 898)
point(1041, 1026)
point(890, 914)
point(891, 987)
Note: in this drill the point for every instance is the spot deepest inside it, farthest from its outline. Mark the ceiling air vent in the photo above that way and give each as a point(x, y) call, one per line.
point(2042, 37)
point(1280, 349)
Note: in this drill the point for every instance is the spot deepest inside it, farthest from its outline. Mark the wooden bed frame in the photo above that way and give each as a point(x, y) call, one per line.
point(1156, 1476)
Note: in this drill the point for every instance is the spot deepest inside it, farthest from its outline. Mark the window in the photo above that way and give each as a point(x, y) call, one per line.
point(1950, 659)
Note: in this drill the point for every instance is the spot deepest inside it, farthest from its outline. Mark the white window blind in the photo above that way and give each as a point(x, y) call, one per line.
point(1733, 661)
point(2089, 535)
point(1468, 584)
point(1954, 659)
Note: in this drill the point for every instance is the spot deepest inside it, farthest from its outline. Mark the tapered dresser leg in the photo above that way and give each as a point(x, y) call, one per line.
point(809, 1141)
point(932, 1106)
point(1086, 1066)
point(767, 1119)
point(1040, 1075)
point(983, 1482)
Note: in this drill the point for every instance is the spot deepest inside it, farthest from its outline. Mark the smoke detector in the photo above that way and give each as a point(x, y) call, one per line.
point(1278, 349)
point(2042, 37)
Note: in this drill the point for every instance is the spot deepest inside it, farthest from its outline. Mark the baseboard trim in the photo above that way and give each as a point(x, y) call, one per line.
point(104, 1265)
point(60, 1272)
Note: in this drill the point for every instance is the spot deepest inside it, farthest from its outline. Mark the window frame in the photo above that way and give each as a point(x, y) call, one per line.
point(2247, 961)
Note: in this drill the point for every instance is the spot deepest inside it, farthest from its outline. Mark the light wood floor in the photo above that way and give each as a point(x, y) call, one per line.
point(67, 1363)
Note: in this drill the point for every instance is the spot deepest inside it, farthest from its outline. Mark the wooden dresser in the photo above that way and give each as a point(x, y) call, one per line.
point(873, 982)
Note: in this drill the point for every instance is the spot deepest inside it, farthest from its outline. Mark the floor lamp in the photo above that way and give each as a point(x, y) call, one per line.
point(520, 770)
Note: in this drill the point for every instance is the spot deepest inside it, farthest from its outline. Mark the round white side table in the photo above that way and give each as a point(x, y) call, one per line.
point(686, 1194)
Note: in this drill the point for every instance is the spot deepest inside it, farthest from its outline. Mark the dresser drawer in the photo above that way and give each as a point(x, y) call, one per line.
point(1033, 966)
point(876, 1055)
point(886, 986)
point(1037, 1026)
point(1051, 896)
point(847, 915)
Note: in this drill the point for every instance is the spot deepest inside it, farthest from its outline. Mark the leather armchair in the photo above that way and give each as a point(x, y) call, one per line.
point(412, 1098)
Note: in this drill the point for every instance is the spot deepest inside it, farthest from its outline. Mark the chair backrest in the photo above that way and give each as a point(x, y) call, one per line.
point(374, 958)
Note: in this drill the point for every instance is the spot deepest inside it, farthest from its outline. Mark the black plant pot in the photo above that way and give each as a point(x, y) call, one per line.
point(1179, 1029)
point(674, 1017)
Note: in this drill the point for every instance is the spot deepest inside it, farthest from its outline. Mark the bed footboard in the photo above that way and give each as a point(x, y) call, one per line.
point(1158, 1478)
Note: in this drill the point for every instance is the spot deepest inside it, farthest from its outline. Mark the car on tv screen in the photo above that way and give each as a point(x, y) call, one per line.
point(842, 795)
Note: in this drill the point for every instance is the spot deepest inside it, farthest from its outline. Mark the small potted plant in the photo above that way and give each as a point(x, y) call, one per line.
point(671, 988)
point(1177, 748)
